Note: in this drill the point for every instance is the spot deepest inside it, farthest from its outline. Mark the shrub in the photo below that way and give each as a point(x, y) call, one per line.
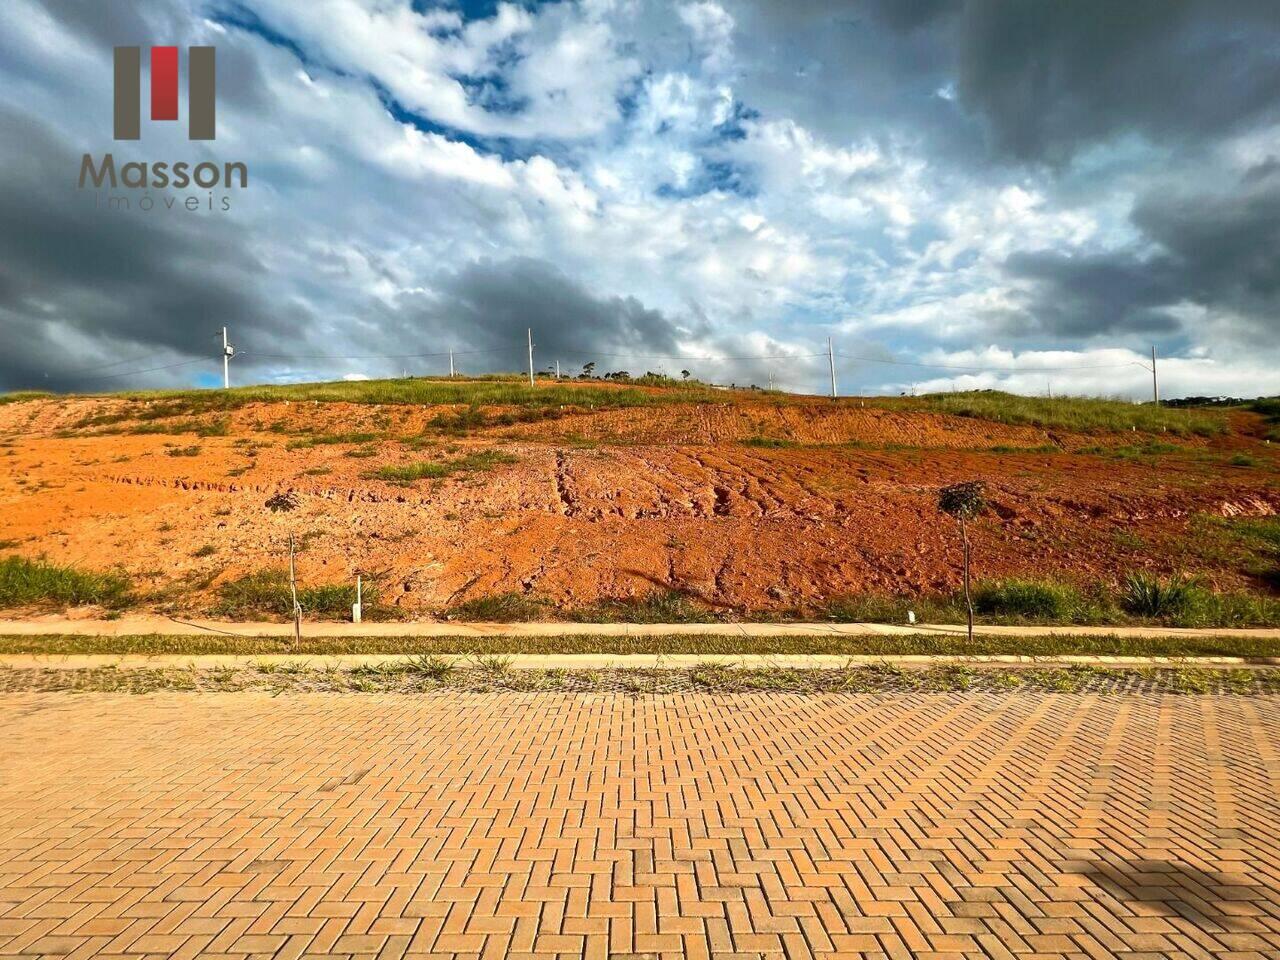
point(1146, 596)
point(37, 583)
point(1027, 600)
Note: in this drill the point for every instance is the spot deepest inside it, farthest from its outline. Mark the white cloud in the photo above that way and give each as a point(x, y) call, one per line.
point(629, 160)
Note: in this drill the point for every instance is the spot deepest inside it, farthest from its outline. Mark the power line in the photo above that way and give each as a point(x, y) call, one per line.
point(640, 356)
point(946, 366)
point(369, 356)
point(168, 366)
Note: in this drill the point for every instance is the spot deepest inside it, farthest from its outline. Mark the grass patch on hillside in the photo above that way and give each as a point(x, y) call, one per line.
point(1077, 414)
point(408, 473)
point(28, 583)
point(459, 423)
point(490, 391)
point(265, 593)
point(332, 439)
point(930, 644)
point(770, 443)
point(1269, 407)
point(22, 396)
point(1251, 544)
point(213, 428)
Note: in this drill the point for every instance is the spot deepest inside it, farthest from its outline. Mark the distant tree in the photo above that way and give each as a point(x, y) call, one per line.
point(684, 374)
point(964, 502)
point(588, 369)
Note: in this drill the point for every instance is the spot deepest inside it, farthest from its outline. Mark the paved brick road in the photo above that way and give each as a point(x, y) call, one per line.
point(684, 826)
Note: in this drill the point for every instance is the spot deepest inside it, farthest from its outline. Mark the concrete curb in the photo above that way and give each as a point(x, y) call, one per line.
point(592, 661)
point(165, 626)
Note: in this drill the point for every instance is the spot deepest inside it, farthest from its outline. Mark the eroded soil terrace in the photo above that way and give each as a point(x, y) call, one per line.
point(614, 503)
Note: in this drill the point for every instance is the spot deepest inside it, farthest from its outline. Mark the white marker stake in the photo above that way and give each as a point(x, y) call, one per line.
point(356, 608)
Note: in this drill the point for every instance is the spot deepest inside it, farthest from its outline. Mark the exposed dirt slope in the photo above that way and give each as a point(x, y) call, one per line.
point(609, 504)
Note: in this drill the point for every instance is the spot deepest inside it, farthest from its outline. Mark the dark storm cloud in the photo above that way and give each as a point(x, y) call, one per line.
point(1039, 79)
point(1226, 244)
point(1218, 249)
point(853, 70)
point(133, 283)
point(489, 305)
point(1048, 77)
point(1086, 296)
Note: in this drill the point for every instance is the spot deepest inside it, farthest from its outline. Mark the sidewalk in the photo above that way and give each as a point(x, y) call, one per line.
point(166, 626)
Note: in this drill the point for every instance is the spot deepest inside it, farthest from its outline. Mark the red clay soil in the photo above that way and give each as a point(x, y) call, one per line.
point(616, 503)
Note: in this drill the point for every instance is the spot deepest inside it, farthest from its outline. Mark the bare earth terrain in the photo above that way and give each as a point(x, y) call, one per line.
point(615, 502)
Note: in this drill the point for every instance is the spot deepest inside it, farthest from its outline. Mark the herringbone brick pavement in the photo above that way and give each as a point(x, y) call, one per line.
point(538, 825)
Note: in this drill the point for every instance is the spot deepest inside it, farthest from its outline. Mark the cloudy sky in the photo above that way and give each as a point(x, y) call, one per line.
point(1023, 194)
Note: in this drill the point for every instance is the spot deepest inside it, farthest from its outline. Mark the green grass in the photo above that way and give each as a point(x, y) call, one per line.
point(659, 606)
point(1030, 600)
point(22, 396)
point(508, 390)
point(329, 439)
point(490, 677)
point(266, 593)
point(768, 443)
point(220, 427)
point(1141, 599)
point(405, 474)
point(25, 583)
point(928, 644)
point(1269, 407)
point(1078, 414)
point(499, 608)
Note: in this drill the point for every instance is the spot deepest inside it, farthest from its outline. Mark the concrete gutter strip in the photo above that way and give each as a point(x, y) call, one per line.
point(165, 626)
point(594, 661)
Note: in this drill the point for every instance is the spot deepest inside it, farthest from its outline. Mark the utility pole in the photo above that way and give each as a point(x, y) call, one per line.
point(771, 381)
point(228, 352)
point(530, 356)
point(293, 590)
point(1155, 382)
point(831, 361)
point(450, 364)
point(557, 371)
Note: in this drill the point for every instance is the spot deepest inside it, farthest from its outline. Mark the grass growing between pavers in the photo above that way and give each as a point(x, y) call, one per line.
point(924, 644)
point(427, 676)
